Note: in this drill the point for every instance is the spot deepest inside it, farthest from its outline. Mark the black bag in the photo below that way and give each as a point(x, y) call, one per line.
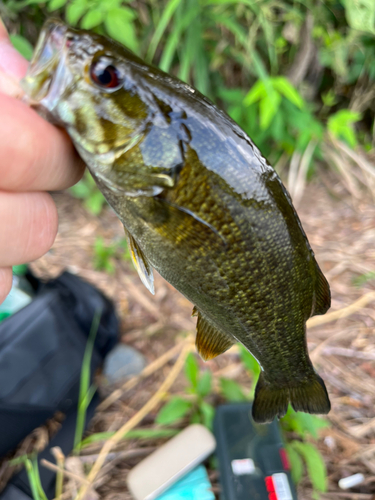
point(41, 353)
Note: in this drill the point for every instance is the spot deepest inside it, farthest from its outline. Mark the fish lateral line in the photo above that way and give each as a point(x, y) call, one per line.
point(196, 217)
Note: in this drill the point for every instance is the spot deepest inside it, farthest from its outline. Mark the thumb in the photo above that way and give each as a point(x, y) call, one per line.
point(11, 62)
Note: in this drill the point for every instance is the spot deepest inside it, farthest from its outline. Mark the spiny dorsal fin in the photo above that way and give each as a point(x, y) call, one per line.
point(322, 293)
point(141, 263)
point(210, 342)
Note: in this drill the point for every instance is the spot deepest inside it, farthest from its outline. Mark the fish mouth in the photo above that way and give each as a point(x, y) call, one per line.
point(47, 75)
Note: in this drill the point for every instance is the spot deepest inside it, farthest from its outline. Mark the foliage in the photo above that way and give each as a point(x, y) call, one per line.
point(23, 46)
point(86, 391)
point(302, 451)
point(132, 434)
point(194, 404)
point(341, 123)
point(243, 55)
point(363, 279)
point(106, 255)
point(86, 190)
point(32, 471)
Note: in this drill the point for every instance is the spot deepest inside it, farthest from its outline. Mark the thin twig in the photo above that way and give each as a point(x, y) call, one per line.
point(360, 431)
point(342, 313)
point(348, 353)
point(138, 452)
point(136, 419)
point(141, 297)
point(151, 368)
point(56, 468)
point(60, 459)
point(349, 494)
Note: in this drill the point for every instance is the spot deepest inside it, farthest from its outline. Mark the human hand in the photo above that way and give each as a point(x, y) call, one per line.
point(35, 157)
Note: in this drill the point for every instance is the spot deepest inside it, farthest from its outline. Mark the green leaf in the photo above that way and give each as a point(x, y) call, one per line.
point(340, 125)
point(359, 280)
point(284, 87)
point(196, 418)
point(251, 364)
point(175, 409)
point(231, 390)
point(204, 384)
point(311, 424)
point(192, 370)
point(360, 14)
point(32, 480)
point(75, 10)
point(23, 46)
point(39, 486)
point(268, 108)
point(86, 391)
point(80, 190)
point(133, 434)
point(258, 91)
point(208, 413)
point(94, 203)
point(92, 19)
point(296, 463)
point(174, 39)
point(303, 423)
point(315, 464)
point(56, 4)
point(119, 26)
point(168, 12)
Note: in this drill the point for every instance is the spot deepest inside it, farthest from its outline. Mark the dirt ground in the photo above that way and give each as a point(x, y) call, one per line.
point(341, 231)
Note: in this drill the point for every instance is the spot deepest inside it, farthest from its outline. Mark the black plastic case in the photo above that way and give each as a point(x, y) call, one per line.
point(253, 463)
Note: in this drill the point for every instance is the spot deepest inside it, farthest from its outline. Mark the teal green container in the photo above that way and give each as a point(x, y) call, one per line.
point(20, 295)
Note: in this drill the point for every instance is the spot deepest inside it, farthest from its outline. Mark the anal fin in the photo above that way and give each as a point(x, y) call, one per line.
point(141, 263)
point(322, 293)
point(210, 342)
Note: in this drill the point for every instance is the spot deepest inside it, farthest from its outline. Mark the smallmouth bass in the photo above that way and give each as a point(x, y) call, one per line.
point(198, 202)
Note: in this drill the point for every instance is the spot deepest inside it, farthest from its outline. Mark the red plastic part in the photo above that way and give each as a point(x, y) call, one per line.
point(269, 484)
point(284, 459)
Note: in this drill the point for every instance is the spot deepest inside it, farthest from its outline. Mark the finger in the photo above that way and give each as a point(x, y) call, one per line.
point(5, 282)
point(35, 155)
point(11, 61)
point(28, 228)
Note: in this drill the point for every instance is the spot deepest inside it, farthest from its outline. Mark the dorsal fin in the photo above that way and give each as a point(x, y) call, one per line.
point(322, 293)
point(210, 341)
point(141, 263)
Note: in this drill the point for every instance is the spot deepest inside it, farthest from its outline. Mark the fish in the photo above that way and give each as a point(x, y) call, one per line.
point(199, 204)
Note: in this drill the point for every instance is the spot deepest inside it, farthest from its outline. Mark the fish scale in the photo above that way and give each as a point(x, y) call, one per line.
point(198, 202)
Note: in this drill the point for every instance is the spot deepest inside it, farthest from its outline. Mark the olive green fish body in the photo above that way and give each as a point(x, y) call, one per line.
point(201, 206)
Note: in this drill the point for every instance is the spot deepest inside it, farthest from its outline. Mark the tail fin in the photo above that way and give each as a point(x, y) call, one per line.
point(271, 402)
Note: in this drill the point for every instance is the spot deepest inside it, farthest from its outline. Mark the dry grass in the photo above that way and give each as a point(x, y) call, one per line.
point(341, 229)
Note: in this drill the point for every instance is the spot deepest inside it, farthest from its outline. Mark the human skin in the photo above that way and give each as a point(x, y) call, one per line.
point(35, 157)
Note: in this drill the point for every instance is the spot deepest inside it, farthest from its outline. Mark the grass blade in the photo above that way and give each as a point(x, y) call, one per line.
point(85, 391)
point(161, 27)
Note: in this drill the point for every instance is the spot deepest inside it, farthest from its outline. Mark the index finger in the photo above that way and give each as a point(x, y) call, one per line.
point(35, 155)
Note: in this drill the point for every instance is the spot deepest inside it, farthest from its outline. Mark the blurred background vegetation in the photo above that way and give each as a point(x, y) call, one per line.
point(298, 76)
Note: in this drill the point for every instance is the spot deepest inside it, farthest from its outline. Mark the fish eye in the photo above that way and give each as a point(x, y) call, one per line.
point(105, 74)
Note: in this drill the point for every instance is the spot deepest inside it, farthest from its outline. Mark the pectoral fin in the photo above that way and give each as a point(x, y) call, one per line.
point(141, 263)
point(210, 342)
